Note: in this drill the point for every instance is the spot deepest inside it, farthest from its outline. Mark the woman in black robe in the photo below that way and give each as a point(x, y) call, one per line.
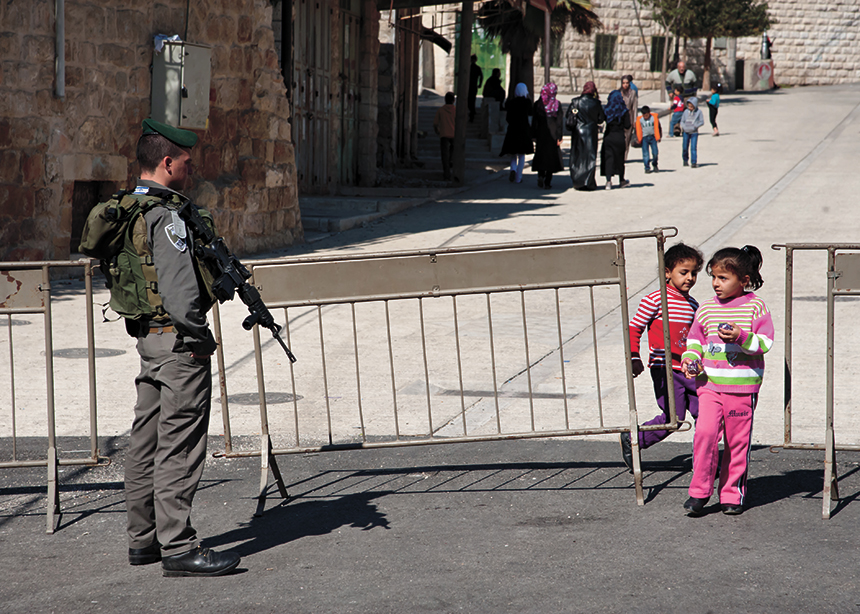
point(518, 138)
point(584, 115)
point(614, 140)
point(548, 127)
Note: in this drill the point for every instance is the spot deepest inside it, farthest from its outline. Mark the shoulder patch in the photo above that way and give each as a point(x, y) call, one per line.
point(173, 236)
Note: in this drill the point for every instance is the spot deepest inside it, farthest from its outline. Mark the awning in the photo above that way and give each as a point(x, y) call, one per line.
point(429, 34)
point(387, 5)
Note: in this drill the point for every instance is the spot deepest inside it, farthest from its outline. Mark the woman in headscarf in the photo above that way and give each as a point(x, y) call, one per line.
point(518, 138)
point(583, 116)
point(548, 128)
point(631, 101)
point(614, 141)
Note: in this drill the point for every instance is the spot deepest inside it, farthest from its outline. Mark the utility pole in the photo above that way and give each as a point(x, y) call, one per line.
point(458, 158)
point(547, 46)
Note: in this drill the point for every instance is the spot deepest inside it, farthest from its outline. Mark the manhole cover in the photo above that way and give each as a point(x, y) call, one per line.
point(82, 353)
point(252, 398)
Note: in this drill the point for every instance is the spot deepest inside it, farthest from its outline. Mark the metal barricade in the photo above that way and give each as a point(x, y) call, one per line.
point(474, 342)
point(25, 288)
point(842, 280)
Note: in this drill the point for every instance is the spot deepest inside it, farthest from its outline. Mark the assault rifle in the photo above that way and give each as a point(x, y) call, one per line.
point(230, 275)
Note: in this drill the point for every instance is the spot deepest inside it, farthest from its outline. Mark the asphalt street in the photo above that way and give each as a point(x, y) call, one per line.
point(512, 526)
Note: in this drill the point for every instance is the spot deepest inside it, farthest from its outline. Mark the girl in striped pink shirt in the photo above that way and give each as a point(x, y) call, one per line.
point(730, 335)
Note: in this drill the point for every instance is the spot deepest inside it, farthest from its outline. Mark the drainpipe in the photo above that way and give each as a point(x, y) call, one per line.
point(60, 66)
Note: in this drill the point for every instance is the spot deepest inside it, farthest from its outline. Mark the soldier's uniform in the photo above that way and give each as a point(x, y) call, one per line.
point(171, 417)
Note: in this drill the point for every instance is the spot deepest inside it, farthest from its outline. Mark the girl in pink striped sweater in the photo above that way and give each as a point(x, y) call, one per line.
point(730, 335)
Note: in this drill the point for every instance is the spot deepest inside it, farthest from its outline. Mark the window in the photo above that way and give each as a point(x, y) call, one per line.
point(657, 45)
point(85, 195)
point(554, 51)
point(604, 52)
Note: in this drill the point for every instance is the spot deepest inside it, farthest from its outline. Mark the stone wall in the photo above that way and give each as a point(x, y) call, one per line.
point(816, 42)
point(245, 161)
point(815, 45)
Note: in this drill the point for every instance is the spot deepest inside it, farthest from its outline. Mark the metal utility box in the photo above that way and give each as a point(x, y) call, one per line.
point(180, 85)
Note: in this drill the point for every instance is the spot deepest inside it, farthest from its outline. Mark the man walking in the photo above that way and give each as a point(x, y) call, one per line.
point(683, 77)
point(476, 78)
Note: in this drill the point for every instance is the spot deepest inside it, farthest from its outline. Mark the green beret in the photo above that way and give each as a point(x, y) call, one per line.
point(183, 138)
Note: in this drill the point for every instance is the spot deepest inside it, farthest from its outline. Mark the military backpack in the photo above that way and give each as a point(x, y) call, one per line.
point(115, 233)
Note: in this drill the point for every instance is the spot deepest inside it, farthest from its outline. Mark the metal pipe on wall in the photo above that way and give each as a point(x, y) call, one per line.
point(60, 64)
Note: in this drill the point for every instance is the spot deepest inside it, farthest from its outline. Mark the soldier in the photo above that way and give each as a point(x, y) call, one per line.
point(167, 446)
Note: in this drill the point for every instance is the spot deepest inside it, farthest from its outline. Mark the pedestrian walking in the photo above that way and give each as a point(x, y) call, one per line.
point(548, 125)
point(648, 134)
point(714, 107)
point(691, 120)
point(443, 124)
point(730, 336)
point(683, 77)
point(518, 137)
point(631, 101)
point(583, 118)
point(676, 107)
point(476, 77)
point(682, 266)
point(614, 140)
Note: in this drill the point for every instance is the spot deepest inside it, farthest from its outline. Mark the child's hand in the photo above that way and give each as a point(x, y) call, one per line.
point(689, 368)
point(729, 332)
point(636, 366)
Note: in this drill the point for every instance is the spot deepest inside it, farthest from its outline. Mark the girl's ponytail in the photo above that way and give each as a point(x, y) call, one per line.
point(751, 261)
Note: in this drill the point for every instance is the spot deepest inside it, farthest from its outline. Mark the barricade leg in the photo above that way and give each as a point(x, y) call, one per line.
point(637, 466)
point(53, 511)
point(830, 491)
point(268, 460)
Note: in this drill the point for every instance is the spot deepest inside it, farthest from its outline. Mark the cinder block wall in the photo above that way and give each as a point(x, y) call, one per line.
point(245, 160)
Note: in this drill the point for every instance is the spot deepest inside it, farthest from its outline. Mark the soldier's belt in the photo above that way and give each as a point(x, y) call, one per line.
point(160, 329)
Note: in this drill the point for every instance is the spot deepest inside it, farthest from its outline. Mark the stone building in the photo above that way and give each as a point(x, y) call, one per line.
point(328, 52)
point(67, 137)
point(814, 44)
point(60, 154)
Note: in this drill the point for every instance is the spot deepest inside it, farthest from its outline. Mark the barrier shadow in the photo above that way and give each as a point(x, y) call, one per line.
point(287, 522)
point(807, 483)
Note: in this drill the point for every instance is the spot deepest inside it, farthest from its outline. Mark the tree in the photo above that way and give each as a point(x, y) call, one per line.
point(710, 19)
point(520, 33)
point(667, 13)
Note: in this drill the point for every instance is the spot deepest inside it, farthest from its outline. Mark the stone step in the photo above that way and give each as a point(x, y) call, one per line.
point(435, 163)
point(339, 203)
point(431, 149)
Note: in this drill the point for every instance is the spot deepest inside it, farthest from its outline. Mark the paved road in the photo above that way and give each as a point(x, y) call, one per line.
point(529, 526)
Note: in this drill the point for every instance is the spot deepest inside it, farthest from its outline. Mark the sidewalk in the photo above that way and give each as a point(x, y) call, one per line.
point(408, 188)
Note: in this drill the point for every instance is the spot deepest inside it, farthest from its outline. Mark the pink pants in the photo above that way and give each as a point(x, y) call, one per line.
point(730, 416)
